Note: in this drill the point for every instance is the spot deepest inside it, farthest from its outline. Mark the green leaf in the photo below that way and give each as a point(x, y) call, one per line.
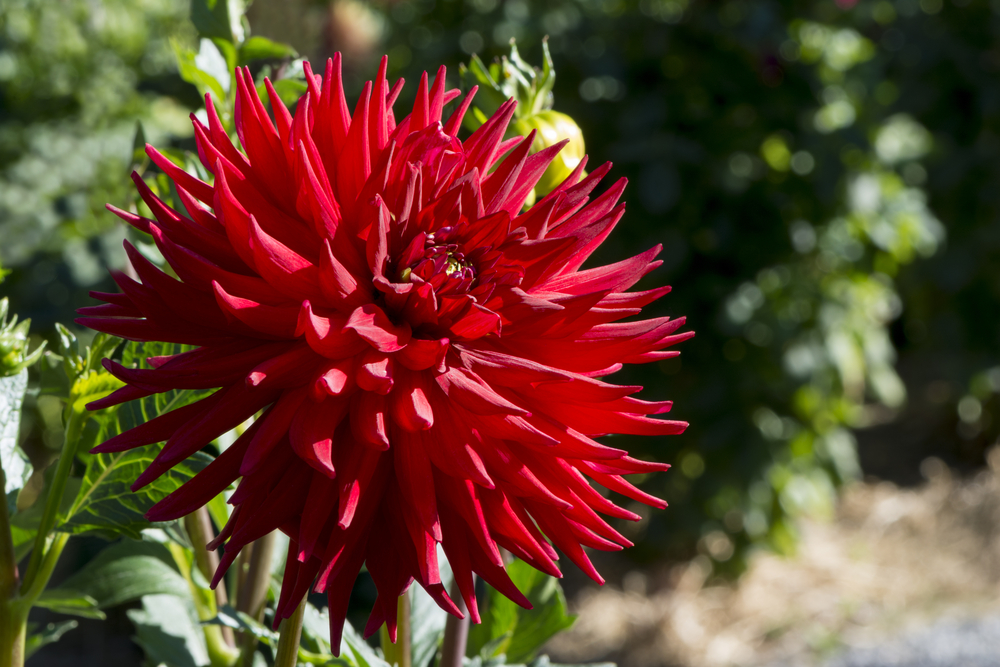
point(261, 48)
point(219, 18)
point(107, 504)
point(52, 633)
point(127, 571)
point(526, 630)
point(244, 622)
point(16, 469)
point(67, 601)
point(91, 386)
point(167, 629)
point(289, 90)
point(189, 69)
point(363, 655)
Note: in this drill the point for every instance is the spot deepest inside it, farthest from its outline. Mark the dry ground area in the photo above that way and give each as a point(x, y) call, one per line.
point(892, 560)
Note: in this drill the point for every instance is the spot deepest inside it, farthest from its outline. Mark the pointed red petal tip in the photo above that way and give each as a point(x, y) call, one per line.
point(426, 359)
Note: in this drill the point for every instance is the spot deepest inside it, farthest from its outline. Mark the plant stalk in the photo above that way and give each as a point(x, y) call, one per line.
point(252, 593)
point(400, 652)
point(12, 626)
point(456, 633)
point(74, 428)
point(199, 528)
point(287, 653)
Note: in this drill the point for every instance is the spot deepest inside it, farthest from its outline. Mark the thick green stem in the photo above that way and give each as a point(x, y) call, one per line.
point(12, 625)
point(399, 653)
point(13, 631)
point(287, 653)
point(8, 562)
point(74, 427)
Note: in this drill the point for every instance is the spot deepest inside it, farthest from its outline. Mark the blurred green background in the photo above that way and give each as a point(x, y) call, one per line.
point(823, 177)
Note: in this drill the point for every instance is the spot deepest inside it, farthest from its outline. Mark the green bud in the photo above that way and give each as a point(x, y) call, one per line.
point(511, 77)
point(14, 356)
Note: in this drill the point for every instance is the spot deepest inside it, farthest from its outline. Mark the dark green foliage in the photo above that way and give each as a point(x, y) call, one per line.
point(515, 632)
point(799, 162)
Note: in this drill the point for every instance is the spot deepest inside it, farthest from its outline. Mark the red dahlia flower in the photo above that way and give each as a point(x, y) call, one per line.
point(424, 352)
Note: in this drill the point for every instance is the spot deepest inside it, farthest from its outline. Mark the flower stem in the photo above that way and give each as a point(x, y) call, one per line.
point(252, 592)
point(456, 633)
point(399, 653)
point(199, 528)
point(287, 653)
point(74, 427)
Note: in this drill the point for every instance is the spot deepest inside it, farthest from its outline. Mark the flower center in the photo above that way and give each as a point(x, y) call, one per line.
point(443, 265)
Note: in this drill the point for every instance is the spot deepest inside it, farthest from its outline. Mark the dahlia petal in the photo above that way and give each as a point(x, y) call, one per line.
point(312, 431)
point(410, 403)
point(140, 223)
point(453, 453)
point(377, 245)
point(234, 407)
point(472, 393)
point(354, 164)
point(375, 372)
point(476, 323)
point(534, 166)
point(287, 370)
point(357, 471)
point(619, 484)
point(164, 380)
point(498, 185)
point(368, 419)
point(337, 283)
point(481, 147)
point(505, 523)
point(315, 515)
point(616, 277)
point(559, 533)
point(456, 118)
point(271, 321)
point(188, 303)
point(371, 323)
point(317, 198)
point(288, 271)
point(419, 354)
point(274, 425)
point(207, 484)
point(336, 380)
point(198, 188)
point(328, 335)
point(109, 310)
point(420, 116)
point(437, 96)
point(157, 429)
point(118, 396)
point(518, 475)
point(198, 271)
point(283, 502)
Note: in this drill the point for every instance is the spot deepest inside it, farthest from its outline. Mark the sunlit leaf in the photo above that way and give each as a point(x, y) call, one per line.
point(15, 467)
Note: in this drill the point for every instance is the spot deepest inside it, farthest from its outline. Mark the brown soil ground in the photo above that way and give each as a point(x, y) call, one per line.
point(891, 560)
